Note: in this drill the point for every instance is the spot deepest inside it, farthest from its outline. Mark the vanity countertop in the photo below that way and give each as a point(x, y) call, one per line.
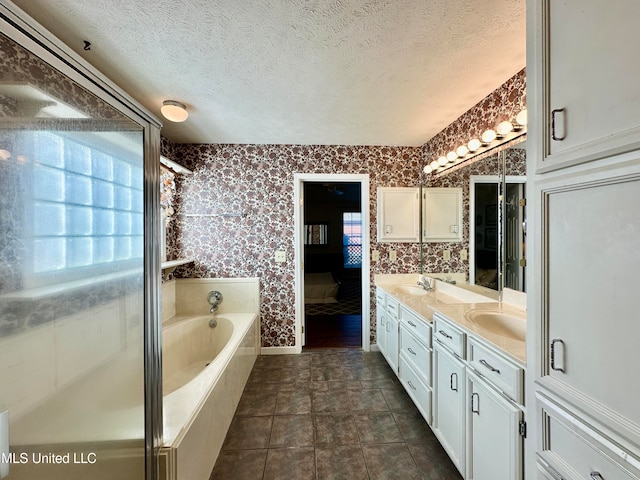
point(460, 315)
point(455, 302)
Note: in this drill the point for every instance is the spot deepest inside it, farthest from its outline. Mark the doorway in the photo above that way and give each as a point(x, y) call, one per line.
point(332, 268)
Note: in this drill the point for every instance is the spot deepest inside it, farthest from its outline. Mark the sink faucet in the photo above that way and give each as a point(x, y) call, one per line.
point(426, 283)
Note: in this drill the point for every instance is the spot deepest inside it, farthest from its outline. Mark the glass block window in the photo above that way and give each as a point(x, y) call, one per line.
point(352, 239)
point(87, 208)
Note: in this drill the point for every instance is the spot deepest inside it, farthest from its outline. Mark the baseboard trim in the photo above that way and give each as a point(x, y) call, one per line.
point(374, 347)
point(279, 350)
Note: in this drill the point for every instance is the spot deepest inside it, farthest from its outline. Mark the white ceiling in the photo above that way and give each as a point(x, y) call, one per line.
point(333, 72)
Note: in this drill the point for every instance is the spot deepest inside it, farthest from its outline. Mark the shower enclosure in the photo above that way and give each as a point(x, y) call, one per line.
point(79, 358)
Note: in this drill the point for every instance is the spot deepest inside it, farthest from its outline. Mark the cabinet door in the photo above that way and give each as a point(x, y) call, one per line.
point(591, 312)
point(449, 405)
point(398, 214)
point(592, 88)
point(392, 343)
point(381, 332)
point(493, 442)
point(442, 215)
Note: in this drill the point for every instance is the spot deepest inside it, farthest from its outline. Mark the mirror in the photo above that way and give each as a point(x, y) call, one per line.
point(494, 229)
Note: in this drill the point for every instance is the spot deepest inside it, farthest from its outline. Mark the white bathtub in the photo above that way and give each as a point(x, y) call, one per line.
point(204, 373)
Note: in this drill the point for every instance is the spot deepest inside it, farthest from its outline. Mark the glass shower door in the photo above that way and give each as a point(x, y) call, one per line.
point(71, 278)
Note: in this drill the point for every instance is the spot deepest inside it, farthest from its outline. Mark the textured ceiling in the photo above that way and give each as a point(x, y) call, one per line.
point(350, 72)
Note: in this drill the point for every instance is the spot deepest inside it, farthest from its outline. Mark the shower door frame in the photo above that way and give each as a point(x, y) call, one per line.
point(25, 31)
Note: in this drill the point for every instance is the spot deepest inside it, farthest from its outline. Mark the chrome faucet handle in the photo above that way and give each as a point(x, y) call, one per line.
point(214, 298)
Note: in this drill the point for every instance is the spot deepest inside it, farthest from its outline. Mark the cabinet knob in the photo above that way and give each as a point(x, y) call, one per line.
point(411, 351)
point(596, 476)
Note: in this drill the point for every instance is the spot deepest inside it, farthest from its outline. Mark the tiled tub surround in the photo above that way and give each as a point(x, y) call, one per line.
point(198, 413)
point(329, 414)
point(258, 180)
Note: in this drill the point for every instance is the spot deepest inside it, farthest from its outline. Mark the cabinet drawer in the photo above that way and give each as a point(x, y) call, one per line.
point(380, 296)
point(415, 387)
point(448, 335)
point(574, 450)
point(416, 353)
point(420, 328)
point(506, 376)
point(392, 307)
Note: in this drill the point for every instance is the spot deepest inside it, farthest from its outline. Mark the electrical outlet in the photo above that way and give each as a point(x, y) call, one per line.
point(281, 256)
point(463, 254)
point(392, 255)
point(446, 255)
point(375, 255)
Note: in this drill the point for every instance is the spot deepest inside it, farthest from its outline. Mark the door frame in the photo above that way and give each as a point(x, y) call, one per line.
point(299, 181)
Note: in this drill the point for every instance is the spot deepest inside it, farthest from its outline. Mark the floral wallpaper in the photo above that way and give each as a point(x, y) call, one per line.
point(257, 181)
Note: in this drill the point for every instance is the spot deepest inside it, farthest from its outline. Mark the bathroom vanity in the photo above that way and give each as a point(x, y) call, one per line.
point(460, 355)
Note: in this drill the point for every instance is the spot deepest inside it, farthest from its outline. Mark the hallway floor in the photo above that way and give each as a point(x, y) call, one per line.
point(329, 414)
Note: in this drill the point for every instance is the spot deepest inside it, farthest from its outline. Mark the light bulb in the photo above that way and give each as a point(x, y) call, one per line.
point(442, 161)
point(504, 128)
point(427, 169)
point(521, 118)
point(462, 150)
point(452, 156)
point(474, 145)
point(434, 165)
point(489, 136)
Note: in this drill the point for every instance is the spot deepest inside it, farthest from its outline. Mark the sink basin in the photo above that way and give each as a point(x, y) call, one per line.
point(499, 323)
point(416, 290)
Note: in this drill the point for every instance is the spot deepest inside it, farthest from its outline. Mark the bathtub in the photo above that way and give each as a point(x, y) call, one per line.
point(204, 373)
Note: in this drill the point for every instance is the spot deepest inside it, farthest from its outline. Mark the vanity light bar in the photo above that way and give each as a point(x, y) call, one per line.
point(504, 132)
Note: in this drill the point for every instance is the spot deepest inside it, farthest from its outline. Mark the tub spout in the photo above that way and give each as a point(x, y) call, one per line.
point(213, 323)
point(213, 309)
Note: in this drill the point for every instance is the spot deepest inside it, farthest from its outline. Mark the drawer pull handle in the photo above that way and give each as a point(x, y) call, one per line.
point(411, 351)
point(554, 352)
point(411, 385)
point(445, 334)
point(455, 389)
point(486, 364)
point(554, 113)
point(477, 409)
point(412, 324)
point(596, 476)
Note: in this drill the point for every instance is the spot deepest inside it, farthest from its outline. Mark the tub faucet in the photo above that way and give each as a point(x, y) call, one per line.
point(215, 299)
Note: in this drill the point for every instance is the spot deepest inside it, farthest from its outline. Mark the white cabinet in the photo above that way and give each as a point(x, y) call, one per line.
point(588, 107)
point(392, 333)
point(449, 404)
point(398, 214)
point(573, 450)
point(415, 360)
point(442, 215)
point(582, 301)
point(494, 444)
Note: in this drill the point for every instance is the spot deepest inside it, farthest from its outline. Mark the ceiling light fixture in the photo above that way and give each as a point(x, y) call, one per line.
point(174, 111)
point(505, 132)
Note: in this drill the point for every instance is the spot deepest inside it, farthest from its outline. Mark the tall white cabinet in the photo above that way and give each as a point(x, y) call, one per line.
point(584, 172)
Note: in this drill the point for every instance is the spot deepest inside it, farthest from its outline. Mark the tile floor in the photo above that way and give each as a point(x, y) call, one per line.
point(329, 414)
